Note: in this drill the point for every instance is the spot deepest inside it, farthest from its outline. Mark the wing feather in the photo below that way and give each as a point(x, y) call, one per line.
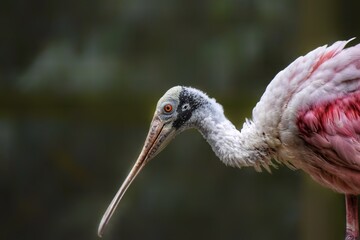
point(332, 130)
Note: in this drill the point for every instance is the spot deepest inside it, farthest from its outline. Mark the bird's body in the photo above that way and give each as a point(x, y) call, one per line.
point(312, 107)
point(308, 118)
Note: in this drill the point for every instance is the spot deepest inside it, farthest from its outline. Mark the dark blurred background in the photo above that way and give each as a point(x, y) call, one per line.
point(79, 81)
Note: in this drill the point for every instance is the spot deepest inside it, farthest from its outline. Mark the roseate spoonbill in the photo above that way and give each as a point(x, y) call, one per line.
point(308, 118)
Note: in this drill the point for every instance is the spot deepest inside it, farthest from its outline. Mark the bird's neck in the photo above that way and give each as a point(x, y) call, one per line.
point(235, 148)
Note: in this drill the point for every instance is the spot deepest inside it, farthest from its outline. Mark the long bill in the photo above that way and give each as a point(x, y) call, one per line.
point(157, 138)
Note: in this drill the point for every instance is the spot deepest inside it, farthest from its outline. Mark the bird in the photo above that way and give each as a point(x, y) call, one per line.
point(308, 118)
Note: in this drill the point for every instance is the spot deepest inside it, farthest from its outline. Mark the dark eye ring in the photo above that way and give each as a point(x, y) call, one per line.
point(168, 108)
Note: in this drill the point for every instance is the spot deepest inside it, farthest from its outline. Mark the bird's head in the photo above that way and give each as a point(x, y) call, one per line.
point(180, 108)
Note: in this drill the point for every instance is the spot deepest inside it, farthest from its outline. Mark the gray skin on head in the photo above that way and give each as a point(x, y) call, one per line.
point(185, 101)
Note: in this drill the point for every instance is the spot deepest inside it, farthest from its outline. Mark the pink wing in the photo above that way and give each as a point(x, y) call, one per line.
point(317, 98)
point(332, 130)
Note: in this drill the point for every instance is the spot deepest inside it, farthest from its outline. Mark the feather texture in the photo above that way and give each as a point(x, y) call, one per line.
point(314, 113)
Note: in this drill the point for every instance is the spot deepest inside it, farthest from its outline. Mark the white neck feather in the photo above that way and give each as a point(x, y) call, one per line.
point(235, 148)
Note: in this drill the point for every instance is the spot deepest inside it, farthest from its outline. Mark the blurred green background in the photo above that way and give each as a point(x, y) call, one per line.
point(79, 81)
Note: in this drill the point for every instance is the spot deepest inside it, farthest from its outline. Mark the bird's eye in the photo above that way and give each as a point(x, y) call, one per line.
point(168, 108)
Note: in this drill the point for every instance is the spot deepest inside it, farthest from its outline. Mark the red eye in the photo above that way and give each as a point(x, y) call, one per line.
point(168, 108)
